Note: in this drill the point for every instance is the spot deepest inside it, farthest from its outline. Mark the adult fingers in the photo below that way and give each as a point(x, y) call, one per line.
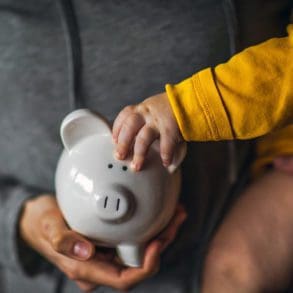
point(169, 234)
point(131, 125)
point(145, 137)
point(63, 240)
point(129, 277)
point(112, 274)
point(86, 286)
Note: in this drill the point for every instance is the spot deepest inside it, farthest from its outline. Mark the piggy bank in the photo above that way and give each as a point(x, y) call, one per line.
point(102, 198)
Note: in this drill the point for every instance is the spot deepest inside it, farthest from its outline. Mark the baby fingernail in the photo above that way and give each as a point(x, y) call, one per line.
point(118, 155)
point(81, 250)
point(134, 166)
point(165, 161)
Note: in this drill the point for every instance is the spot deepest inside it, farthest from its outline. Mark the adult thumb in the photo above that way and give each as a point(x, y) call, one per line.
point(63, 240)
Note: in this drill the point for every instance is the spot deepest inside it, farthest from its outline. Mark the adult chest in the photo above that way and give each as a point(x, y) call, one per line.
point(130, 49)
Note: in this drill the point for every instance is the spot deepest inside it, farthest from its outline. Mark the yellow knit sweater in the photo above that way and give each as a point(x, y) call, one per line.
point(249, 96)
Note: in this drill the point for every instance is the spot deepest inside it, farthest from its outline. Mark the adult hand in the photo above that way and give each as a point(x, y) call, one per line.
point(140, 125)
point(76, 256)
point(284, 163)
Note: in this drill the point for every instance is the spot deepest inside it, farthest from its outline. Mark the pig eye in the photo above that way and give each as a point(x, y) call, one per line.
point(124, 168)
point(110, 166)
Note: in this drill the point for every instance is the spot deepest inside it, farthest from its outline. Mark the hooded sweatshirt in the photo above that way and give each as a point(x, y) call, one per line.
point(103, 56)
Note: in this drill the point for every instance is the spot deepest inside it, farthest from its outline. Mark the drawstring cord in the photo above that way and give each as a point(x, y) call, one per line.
point(74, 55)
point(73, 42)
point(74, 52)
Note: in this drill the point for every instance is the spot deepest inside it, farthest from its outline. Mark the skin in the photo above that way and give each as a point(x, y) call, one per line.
point(140, 125)
point(77, 256)
point(252, 251)
point(284, 163)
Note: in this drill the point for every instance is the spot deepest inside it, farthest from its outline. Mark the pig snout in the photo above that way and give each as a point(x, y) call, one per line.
point(114, 203)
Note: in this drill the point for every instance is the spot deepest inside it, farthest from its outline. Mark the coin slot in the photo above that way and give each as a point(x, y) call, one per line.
point(105, 202)
point(118, 203)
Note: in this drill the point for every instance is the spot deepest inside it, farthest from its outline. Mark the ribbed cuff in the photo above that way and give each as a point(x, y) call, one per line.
point(198, 108)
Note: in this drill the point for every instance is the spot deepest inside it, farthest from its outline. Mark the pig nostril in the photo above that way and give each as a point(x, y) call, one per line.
point(105, 202)
point(124, 168)
point(110, 166)
point(118, 202)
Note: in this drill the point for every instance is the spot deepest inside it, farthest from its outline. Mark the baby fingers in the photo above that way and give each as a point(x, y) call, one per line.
point(145, 137)
point(167, 149)
point(127, 133)
point(118, 123)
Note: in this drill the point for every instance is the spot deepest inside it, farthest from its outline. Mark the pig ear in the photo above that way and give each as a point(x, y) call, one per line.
point(178, 157)
point(80, 124)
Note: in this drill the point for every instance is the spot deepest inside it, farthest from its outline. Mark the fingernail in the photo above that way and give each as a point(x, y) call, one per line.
point(81, 250)
point(165, 161)
point(118, 155)
point(166, 164)
point(134, 166)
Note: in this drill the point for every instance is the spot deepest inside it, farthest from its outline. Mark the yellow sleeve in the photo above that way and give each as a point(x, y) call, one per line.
point(278, 143)
point(249, 96)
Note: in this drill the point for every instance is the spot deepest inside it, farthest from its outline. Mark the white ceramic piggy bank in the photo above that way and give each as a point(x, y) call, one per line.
point(102, 198)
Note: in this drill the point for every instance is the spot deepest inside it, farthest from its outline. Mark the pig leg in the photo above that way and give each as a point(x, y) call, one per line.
point(131, 254)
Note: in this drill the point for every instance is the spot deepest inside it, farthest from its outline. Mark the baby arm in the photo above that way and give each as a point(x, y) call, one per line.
point(247, 97)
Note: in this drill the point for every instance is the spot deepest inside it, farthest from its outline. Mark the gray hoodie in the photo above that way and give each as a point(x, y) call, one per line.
point(129, 50)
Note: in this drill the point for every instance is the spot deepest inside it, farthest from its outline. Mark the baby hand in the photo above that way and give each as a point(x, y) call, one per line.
point(140, 125)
